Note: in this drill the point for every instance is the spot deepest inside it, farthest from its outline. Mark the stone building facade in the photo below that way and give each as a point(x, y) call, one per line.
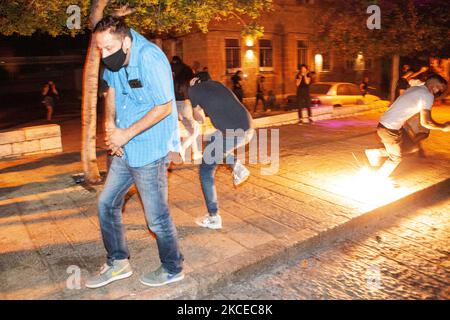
point(287, 42)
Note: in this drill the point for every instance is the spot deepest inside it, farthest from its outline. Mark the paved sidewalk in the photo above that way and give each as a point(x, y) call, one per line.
point(47, 223)
point(404, 257)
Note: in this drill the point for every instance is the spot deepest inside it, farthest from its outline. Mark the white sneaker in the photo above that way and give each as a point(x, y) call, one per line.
point(240, 174)
point(374, 157)
point(182, 154)
point(211, 222)
point(387, 168)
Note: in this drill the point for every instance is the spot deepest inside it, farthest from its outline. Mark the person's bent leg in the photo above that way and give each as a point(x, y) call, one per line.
point(392, 140)
point(212, 220)
point(49, 112)
point(194, 129)
point(207, 180)
point(264, 102)
point(256, 104)
point(234, 140)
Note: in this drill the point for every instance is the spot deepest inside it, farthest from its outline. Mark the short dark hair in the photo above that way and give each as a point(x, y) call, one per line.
point(437, 77)
point(176, 59)
point(115, 26)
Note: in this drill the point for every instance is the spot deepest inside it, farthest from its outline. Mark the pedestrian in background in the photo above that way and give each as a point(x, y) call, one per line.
point(402, 82)
point(237, 79)
point(199, 72)
point(49, 97)
point(260, 91)
point(302, 81)
point(364, 86)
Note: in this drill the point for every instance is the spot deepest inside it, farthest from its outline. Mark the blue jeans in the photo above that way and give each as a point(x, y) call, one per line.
point(151, 182)
point(210, 162)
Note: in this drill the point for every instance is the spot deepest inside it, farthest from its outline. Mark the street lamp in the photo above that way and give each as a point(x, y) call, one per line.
point(249, 54)
point(318, 62)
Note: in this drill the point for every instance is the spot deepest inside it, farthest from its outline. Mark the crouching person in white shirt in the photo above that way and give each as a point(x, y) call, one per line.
point(392, 126)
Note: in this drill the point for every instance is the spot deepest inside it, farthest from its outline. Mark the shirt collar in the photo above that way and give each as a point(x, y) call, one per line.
point(136, 44)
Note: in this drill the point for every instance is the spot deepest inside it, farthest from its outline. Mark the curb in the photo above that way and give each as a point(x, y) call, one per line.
point(200, 284)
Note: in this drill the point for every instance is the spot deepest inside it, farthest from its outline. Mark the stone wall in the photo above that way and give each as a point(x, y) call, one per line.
point(30, 140)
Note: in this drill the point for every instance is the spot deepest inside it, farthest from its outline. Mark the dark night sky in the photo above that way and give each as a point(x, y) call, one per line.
point(40, 44)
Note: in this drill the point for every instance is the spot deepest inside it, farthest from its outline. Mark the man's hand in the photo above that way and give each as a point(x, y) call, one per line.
point(109, 127)
point(117, 152)
point(115, 139)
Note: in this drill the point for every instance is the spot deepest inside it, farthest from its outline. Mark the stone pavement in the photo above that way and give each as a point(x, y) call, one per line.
point(404, 257)
point(49, 226)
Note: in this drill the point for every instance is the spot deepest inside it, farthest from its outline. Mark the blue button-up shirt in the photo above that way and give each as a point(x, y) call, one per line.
point(149, 65)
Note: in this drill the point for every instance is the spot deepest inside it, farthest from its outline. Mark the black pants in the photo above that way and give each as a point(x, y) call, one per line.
point(239, 93)
point(304, 101)
point(260, 96)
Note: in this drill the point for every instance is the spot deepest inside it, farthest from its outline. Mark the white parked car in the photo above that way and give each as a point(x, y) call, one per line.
point(338, 94)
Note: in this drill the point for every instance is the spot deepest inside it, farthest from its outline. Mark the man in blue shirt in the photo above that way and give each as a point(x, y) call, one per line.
point(141, 129)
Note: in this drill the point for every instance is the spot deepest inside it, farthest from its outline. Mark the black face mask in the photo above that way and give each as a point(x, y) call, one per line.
point(115, 61)
point(437, 94)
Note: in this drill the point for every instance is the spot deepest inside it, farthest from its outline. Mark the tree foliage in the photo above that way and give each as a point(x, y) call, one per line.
point(407, 27)
point(24, 17)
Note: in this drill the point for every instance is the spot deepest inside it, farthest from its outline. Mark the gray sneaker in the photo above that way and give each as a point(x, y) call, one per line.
point(121, 269)
point(211, 222)
point(160, 277)
point(240, 174)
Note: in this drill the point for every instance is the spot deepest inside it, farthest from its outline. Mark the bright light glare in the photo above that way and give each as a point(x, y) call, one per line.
point(368, 187)
point(249, 42)
point(249, 54)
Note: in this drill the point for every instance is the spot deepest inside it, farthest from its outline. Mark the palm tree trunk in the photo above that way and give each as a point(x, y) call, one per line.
point(89, 101)
point(89, 115)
